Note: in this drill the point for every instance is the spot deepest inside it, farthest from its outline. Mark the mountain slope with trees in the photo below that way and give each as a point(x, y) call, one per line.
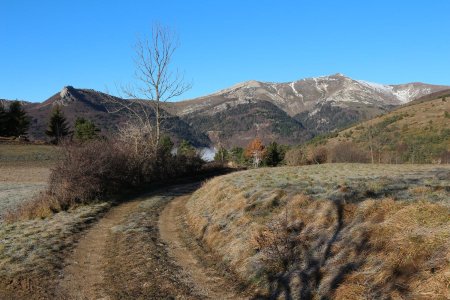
point(418, 132)
point(320, 104)
point(289, 113)
point(95, 106)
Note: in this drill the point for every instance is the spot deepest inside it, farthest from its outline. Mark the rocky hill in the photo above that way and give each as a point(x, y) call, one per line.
point(318, 104)
point(290, 112)
point(93, 105)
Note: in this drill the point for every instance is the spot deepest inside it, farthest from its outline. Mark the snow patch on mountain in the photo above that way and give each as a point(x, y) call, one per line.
point(410, 93)
point(381, 88)
point(305, 94)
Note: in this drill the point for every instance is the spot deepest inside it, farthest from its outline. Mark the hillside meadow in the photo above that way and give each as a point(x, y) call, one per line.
point(418, 132)
point(343, 231)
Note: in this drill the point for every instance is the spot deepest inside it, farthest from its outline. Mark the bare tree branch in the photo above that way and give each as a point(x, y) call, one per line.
point(156, 81)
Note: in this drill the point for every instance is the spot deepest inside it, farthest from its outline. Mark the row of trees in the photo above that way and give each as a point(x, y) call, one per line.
point(15, 122)
point(256, 154)
point(59, 129)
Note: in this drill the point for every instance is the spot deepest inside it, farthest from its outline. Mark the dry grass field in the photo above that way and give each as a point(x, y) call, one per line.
point(32, 251)
point(24, 170)
point(344, 231)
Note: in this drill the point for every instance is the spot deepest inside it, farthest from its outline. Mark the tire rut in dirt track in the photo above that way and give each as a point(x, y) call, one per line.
point(206, 280)
point(137, 252)
point(83, 276)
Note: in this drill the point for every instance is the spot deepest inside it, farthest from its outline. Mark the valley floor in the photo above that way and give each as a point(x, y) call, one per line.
point(150, 248)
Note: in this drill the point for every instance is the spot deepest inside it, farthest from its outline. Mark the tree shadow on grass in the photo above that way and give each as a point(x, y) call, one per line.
point(317, 268)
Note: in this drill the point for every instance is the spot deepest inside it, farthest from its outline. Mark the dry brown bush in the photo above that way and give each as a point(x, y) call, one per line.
point(306, 156)
point(348, 152)
point(89, 171)
point(280, 243)
point(317, 155)
point(100, 168)
point(41, 206)
point(295, 157)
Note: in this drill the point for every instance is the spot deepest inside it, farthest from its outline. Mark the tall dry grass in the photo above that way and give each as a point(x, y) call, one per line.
point(336, 246)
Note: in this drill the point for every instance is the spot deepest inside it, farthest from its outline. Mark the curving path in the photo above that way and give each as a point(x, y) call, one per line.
point(142, 249)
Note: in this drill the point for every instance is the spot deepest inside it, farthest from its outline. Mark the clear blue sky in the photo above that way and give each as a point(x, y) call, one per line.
point(45, 45)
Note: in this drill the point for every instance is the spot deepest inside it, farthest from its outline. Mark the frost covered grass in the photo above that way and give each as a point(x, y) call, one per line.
point(24, 171)
point(348, 231)
point(348, 181)
point(32, 252)
point(20, 183)
point(12, 194)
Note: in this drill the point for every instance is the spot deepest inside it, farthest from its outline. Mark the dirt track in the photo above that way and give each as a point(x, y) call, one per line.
point(207, 281)
point(83, 277)
point(142, 250)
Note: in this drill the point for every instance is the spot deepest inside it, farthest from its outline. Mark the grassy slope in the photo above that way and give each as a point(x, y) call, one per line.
point(361, 231)
point(421, 124)
point(32, 252)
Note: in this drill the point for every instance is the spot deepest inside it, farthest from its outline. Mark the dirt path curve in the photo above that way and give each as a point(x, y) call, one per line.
point(207, 281)
point(142, 250)
point(83, 276)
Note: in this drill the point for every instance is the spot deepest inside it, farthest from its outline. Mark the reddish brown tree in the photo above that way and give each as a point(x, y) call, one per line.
point(255, 151)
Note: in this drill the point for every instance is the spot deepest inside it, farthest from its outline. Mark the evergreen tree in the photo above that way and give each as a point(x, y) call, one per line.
point(57, 126)
point(236, 154)
point(3, 120)
point(186, 149)
point(221, 155)
point(273, 155)
point(166, 144)
point(85, 130)
point(17, 121)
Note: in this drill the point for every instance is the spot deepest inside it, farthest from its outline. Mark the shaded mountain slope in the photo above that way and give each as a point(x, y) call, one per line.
point(92, 105)
point(239, 124)
point(290, 112)
point(321, 104)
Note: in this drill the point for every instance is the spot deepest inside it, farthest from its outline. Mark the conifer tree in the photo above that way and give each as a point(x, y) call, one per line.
point(221, 155)
point(3, 119)
point(85, 130)
point(273, 155)
point(236, 154)
point(186, 149)
point(17, 121)
point(57, 126)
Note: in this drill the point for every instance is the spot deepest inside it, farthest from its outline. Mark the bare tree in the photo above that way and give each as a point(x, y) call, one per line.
point(157, 82)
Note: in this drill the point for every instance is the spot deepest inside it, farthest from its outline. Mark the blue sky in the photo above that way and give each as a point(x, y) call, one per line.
point(45, 45)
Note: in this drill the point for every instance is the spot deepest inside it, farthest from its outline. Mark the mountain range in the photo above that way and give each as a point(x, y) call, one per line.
point(290, 112)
